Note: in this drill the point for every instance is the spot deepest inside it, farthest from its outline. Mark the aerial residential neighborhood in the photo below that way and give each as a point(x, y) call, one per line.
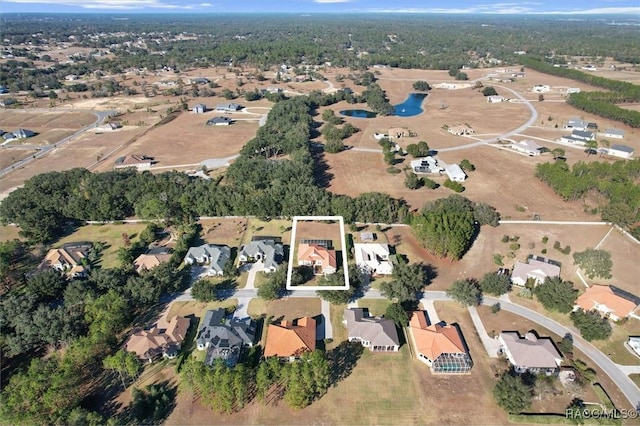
point(317, 216)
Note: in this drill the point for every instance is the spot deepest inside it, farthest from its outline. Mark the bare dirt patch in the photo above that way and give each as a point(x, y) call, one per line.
point(286, 309)
point(11, 156)
point(625, 271)
point(223, 231)
point(9, 233)
point(40, 121)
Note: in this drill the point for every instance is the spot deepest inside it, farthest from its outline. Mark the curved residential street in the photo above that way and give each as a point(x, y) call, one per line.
point(618, 374)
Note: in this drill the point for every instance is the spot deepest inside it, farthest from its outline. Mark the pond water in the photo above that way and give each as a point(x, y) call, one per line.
point(358, 113)
point(410, 107)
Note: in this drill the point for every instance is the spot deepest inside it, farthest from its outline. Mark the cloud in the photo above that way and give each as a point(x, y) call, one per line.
point(110, 4)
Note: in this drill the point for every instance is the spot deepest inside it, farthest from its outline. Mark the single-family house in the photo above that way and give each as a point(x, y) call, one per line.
point(219, 121)
point(530, 353)
point(152, 258)
point(541, 88)
point(614, 133)
point(72, 259)
point(426, 165)
point(223, 337)
point(609, 301)
point(584, 135)
point(380, 136)
point(377, 334)
point(622, 151)
point(493, 99)
point(19, 134)
point(571, 90)
point(528, 147)
point(199, 80)
point(155, 342)
point(290, 339)
point(634, 344)
point(573, 140)
point(216, 256)
point(140, 162)
point(71, 77)
point(439, 346)
point(575, 124)
point(268, 251)
point(536, 269)
point(373, 258)
point(460, 130)
point(108, 127)
point(230, 107)
point(199, 109)
point(455, 173)
point(7, 102)
point(320, 258)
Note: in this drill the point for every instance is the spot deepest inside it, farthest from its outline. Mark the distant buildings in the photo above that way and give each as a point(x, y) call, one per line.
point(230, 107)
point(614, 133)
point(460, 130)
point(140, 162)
point(528, 147)
point(541, 88)
point(219, 121)
point(199, 109)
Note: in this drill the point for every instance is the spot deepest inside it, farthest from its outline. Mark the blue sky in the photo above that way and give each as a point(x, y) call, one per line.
point(631, 8)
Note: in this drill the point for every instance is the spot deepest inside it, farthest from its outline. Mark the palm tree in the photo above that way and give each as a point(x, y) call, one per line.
point(605, 144)
point(557, 152)
point(591, 146)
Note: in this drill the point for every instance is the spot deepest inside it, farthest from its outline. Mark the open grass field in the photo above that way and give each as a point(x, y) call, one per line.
point(42, 121)
point(11, 156)
point(110, 235)
point(625, 271)
point(197, 309)
point(9, 233)
point(288, 309)
point(506, 321)
point(222, 231)
point(377, 307)
point(614, 346)
point(273, 228)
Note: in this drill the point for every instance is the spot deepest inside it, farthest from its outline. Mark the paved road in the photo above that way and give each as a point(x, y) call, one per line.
point(46, 149)
point(628, 388)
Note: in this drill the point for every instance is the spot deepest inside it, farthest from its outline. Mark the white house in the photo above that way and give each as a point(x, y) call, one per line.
point(528, 147)
point(571, 90)
point(575, 124)
point(573, 140)
point(614, 133)
point(584, 135)
point(541, 88)
point(455, 173)
point(622, 151)
point(460, 130)
point(140, 162)
point(495, 99)
point(426, 165)
point(199, 108)
point(634, 344)
point(534, 269)
point(373, 258)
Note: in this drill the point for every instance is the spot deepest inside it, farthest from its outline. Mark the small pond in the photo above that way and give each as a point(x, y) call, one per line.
point(410, 107)
point(358, 113)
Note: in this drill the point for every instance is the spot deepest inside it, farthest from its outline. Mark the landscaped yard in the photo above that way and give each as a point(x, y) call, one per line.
point(376, 306)
point(273, 228)
point(198, 308)
point(110, 235)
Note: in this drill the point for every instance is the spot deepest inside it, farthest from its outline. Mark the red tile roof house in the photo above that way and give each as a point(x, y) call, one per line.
point(155, 342)
point(377, 334)
point(439, 346)
point(291, 339)
point(530, 353)
point(605, 300)
point(320, 258)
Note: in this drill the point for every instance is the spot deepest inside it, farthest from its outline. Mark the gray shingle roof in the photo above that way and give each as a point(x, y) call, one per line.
point(378, 331)
point(219, 255)
point(270, 251)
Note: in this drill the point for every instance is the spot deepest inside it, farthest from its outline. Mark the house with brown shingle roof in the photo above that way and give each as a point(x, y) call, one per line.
point(151, 259)
point(155, 342)
point(322, 260)
point(290, 339)
point(439, 346)
point(530, 353)
point(377, 334)
point(607, 301)
point(71, 259)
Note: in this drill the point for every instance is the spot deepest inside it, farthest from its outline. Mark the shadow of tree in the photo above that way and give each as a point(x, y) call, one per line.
point(342, 361)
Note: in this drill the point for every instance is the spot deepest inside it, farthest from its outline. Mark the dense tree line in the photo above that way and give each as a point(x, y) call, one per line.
point(259, 183)
point(447, 226)
point(616, 182)
point(602, 104)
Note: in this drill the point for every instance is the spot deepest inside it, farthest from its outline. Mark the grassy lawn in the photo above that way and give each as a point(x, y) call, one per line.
point(285, 308)
point(198, 308)
point(110, 235)
point(614, 345)
point(9, 233)
point(339, 329)
point(376, 306)
point(275, 228)
point(635, 378)
point(376, 282)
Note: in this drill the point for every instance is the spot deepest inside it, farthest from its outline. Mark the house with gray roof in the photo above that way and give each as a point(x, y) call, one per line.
point(573, 140)
point(528, 147)
point(199, 109)
point(576, 124)
point(216, 256)
point(530, 353)
point(536, 270)
point(455, 173)
point(584, 135)
point(230, 107)
point(622, 151)
point(223, 337)
point(267, 251)
point(614, 133)
point(377, 334)
point(219, 121)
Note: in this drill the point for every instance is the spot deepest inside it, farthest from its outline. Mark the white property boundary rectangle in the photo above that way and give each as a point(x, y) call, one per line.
point(345, 267)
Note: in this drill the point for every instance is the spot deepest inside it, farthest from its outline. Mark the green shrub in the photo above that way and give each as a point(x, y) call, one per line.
point(514, 246)
point(505, 239)
point(393, 170)
point(545, 239)
point(497, 259)
point(544, 251)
